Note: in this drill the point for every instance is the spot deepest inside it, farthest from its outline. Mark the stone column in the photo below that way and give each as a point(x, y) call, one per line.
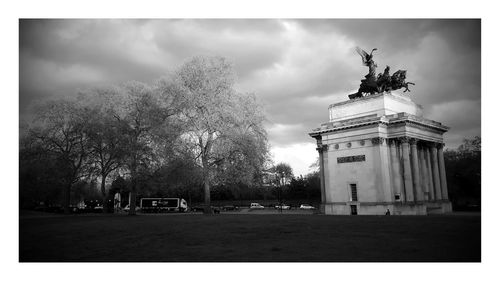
point(424, 172)
point(319, 148)
point(399, 148)
point(442, 172)
point(432, 193)
point(396, 171)
point(417, 186)
point(383, 191)
point(408, 181)
point(435, 172)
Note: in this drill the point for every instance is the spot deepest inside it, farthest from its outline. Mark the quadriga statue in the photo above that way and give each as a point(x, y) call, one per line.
point(383, 82)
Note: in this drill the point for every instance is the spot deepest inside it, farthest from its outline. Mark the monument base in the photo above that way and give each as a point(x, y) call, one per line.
point(439, 207)
point(322, 209)
point(363, 208)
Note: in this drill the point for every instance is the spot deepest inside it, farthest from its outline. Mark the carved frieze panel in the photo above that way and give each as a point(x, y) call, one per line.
point(349, 159)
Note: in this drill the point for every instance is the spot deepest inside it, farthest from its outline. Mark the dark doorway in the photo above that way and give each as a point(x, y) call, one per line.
point(354, 210)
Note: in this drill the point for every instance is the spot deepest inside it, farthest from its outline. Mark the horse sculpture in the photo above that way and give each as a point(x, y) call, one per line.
point(383, 82)
point(398, 81)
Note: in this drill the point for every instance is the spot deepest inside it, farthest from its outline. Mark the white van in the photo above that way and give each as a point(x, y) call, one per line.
point(256, 206)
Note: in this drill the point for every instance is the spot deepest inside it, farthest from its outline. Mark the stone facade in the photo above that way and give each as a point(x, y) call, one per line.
point(379, 154)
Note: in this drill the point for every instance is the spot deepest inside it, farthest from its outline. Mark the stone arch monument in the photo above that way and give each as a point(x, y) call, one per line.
point(379, 155)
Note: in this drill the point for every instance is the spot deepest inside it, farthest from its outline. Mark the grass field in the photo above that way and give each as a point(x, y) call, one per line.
point(246, 238)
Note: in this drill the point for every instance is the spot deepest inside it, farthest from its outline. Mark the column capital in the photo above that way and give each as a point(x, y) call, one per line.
point(424, 143)
point(322, 147)
point(413, 141)
point(392, 141)
point(378, 140)
point(440, 145)
point(404, 139)
point(318, 140)
point(432, 144)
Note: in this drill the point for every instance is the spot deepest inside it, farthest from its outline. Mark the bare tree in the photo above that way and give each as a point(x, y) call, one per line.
point(140, 127)
point(106, 144)
point(60, 127)
point(224, 128)
point(144, 114)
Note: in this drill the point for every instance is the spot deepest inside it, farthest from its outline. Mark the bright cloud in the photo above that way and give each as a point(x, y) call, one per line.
point(300, 156)
point(297, 68)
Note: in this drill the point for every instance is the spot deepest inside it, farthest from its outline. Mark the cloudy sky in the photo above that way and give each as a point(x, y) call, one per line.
point(296, 67)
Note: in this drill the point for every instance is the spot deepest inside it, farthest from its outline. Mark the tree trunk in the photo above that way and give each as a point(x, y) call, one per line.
point(206, 191)
point(133, 196)
point(206, 173)
point(67, 198)
point(103, 194)
point(133, 190)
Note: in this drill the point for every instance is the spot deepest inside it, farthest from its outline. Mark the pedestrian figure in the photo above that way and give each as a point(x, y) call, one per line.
point(387, 213)
point(118, 202)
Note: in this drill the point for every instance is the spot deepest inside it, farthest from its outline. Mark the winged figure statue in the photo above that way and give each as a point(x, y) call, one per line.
point(368, 60)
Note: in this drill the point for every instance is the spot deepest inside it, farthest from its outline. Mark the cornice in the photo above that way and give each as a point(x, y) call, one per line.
point(389, 121)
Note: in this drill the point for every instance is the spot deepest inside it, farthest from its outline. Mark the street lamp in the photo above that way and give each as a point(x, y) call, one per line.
point(279, 195)
point(281, 177)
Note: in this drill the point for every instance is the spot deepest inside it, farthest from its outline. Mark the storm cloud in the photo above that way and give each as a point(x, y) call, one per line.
point(296, 67)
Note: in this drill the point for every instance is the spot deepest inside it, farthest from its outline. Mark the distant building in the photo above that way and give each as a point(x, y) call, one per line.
point(270, 179)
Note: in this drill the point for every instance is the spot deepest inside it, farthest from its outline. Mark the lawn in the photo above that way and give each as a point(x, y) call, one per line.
point(245, 238)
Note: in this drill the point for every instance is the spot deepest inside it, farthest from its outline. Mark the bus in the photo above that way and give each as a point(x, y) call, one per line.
point(161, 205)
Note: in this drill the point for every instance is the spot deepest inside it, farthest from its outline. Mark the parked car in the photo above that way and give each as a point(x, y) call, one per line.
point(201, 208)
point(282, 206)
point(50, 209)
point(197, 208)
point(127, 208)
point(77, 209)
point(306, 207)
point(230, 208)
point(256, 206)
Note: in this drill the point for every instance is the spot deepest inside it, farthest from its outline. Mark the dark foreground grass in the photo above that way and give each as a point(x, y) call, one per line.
point(243, 238)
